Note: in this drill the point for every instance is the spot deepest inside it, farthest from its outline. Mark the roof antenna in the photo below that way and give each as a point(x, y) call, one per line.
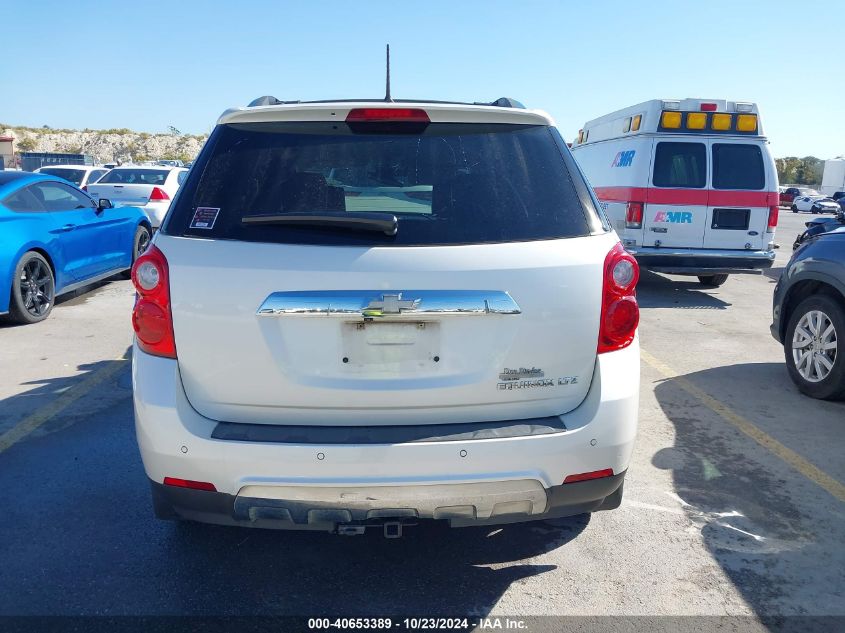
point(387, 96)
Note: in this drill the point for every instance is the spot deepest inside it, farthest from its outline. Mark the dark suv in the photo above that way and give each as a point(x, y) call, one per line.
point(809, 316)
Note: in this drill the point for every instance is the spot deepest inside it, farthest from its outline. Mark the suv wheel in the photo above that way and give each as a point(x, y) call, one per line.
point(712, 281)
point(794, 209)
point(814, 357)
point(33, 290)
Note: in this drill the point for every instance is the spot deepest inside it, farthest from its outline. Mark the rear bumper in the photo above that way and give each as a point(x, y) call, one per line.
point(464, 506)
point(700, 261)
point(465, 480)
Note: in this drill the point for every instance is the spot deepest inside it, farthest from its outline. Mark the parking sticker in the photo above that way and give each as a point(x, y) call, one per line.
point(204, 218)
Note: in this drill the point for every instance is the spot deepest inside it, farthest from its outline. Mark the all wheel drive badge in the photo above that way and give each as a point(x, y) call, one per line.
point(527, 378)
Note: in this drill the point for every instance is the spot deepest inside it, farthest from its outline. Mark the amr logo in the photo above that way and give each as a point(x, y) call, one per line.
point(678, 217)
point(623, 159)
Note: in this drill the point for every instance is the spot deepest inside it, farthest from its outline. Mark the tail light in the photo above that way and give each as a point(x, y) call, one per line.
point(620, 313)
point(404, 115)
point(152, 319)
point(634, 215)
point(773, 219)
point(387, 120)
point(158, 194)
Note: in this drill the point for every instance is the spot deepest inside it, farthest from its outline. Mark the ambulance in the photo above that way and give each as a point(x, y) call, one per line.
point(689, 185)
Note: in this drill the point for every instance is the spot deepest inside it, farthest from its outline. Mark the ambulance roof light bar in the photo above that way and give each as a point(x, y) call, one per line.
point(743, 106)
point(671, 105)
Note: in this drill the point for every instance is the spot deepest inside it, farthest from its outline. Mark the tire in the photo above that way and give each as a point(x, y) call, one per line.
point(712, 281)
point(816, 379)
point(139, 245)
point(33, 289)
point(794, 209)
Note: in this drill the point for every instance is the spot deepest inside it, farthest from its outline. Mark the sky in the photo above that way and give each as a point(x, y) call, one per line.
point(148, 64)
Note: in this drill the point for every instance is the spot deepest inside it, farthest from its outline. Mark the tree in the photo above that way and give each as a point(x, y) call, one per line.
point(800, 171)
point(27, 144)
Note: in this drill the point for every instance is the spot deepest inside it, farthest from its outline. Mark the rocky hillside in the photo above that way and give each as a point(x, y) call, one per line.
point(106, 145)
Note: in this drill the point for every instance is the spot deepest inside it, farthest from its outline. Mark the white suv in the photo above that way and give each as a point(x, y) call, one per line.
point(370, 313)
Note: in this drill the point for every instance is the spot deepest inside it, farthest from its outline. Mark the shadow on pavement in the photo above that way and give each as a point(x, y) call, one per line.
point(44, 392)
point(77, 297)
point(656, 291)
point(776, 535)
point(432, 569)
point(773, 273)
point(83, 539)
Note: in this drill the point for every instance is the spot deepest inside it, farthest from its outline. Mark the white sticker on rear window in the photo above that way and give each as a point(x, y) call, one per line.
point(204, 218)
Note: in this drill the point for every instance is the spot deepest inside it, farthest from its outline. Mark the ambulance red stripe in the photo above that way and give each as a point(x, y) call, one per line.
point(691, 197)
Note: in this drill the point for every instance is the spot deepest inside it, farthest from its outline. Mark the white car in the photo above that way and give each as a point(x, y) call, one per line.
point(815, 204)
point(80, 175)
point(363, 314)
point(151, 188)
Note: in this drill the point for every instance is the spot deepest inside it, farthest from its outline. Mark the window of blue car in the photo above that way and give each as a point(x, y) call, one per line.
point(23, 201)
point(135, 177)
point(58, 197)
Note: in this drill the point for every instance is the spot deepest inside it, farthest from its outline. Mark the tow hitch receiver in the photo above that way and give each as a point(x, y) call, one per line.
point(390, 529)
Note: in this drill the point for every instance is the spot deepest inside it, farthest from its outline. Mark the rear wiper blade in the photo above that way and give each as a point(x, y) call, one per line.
point(384, 222)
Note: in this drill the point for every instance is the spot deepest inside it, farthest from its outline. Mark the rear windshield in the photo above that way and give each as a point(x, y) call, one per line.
point(737, 166)
point(682, 165)
point(449, 184)
point(135, 177)
point(73, 175)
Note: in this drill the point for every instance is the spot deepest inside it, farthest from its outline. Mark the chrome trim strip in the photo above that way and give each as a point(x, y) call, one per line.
point(646, 251)
point(390, 303)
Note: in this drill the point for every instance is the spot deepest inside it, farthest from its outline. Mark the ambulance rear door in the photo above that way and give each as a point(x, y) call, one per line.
point(739, 202)
point(676, 201)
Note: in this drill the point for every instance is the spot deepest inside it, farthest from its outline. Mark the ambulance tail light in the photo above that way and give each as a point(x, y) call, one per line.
point(708, 107)
point(634, 215)
point(671, 105)
point(773, 219)
point(744, 107)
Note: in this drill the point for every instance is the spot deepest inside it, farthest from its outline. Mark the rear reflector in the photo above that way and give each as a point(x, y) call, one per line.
point(187, 483)
point(396, 115)
point(596, 474)
point(158, 194)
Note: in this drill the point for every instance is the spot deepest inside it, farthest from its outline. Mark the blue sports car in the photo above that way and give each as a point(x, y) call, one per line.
point(54, 239)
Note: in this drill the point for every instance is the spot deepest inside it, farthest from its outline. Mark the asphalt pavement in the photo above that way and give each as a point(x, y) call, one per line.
point(734, 502)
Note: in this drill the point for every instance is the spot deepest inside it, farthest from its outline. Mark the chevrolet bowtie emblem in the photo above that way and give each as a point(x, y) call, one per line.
point(390, 304)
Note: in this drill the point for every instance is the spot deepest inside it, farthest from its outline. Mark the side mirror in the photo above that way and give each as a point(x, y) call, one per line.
point(104, 203)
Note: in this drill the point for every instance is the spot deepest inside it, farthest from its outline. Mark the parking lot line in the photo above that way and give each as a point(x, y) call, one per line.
point(45, 413)
point(809, 470)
